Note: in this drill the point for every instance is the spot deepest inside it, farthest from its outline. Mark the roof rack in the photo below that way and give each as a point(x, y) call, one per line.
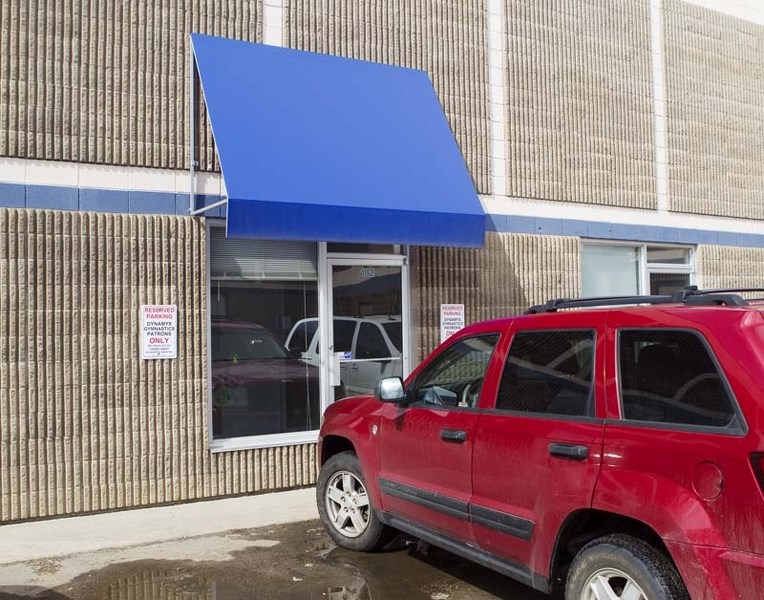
point(691, 295)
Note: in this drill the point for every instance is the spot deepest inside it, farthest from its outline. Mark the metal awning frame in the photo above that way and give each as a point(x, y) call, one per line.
point(193, 87)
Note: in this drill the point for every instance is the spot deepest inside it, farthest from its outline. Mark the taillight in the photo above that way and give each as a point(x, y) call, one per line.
point(757, 462)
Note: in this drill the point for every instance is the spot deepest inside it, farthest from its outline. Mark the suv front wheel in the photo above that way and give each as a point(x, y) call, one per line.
point(623, 567)
point(345, 507)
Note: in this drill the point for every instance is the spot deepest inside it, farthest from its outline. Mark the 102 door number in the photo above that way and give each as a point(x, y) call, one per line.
point(367, 272)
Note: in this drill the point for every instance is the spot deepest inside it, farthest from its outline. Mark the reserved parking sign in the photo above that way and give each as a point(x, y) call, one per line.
point(159, 331)
point(451, 320)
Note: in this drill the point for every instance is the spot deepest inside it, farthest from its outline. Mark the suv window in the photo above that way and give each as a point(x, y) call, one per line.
point(670, 377)
point(549, 372)
point(371, 343)
point(302, 335)
point(343, 335)
point(455, 377)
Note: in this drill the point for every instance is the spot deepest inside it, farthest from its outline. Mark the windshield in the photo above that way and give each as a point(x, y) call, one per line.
point(244, 343)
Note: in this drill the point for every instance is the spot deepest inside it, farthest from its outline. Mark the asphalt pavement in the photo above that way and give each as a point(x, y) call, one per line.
point(287, 561)
point(269, 546)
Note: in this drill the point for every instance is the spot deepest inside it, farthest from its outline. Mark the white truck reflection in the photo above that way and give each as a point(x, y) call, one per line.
point(371, 346)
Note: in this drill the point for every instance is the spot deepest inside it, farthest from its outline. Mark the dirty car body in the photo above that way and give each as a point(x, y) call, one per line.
point(540, 445)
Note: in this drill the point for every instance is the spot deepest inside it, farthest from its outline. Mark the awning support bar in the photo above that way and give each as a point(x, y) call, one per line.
point(204, 209)
point(191, 129)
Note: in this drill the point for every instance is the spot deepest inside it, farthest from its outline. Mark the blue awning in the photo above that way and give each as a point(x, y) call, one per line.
point(323, 148)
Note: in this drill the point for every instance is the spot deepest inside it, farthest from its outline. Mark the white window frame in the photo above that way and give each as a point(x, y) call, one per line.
point(645, 268)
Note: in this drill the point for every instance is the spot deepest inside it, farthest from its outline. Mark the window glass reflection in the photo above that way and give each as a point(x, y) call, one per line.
point(367, 324)
point(258, 386)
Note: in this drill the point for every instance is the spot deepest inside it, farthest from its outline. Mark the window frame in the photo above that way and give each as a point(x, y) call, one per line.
point(549, 416)
point(645, 268)
point(738, 427)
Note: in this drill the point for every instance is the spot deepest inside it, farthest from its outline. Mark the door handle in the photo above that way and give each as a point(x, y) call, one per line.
point(574, 451)
point(457, 436)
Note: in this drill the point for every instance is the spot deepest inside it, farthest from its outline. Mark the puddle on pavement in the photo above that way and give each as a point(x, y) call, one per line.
point(168, 585)
point(336, 576)
point(329, 575)
point(305, 565)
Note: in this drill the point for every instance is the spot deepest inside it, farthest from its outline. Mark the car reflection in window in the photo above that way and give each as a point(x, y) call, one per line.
point(249, 342)
point(257, 387)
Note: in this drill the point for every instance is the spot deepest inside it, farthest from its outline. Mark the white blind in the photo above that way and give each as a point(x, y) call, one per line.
point(610, 270)
point(261, 259)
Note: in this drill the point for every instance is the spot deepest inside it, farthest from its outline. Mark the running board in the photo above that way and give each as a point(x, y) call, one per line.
point(505, 567)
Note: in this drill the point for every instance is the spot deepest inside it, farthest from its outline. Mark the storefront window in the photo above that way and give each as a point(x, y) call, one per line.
point(625, 270)
point(260, 292)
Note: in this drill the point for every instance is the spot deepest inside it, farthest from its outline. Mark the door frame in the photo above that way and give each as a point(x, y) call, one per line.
point(326, 313)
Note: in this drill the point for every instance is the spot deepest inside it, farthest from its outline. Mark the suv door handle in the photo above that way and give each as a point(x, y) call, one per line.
point(574, 451)
point(457, 436)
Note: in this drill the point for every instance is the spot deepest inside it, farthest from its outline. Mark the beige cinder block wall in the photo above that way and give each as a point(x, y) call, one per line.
point(715, 108)
point(730, 266)
point(107, 82)
point(580, 107)
point(447, 38)
point(511, 273)
point(85, 425)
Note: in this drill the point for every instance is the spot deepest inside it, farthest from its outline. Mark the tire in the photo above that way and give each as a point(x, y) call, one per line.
point(618, 564)
point(347, 514)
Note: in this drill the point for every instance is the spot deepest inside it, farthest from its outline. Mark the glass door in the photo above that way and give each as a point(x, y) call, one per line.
point(366, 323)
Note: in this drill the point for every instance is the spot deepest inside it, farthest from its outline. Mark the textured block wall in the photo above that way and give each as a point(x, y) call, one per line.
point(580, 112)
point(511, 273)
point(107, 82)
point(85, 425)
point(447, 38)
point(715, 106)
point(729, 266)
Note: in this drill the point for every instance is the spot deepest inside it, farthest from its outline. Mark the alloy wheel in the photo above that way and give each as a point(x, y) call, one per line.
point(347, 504)
point(612, 584)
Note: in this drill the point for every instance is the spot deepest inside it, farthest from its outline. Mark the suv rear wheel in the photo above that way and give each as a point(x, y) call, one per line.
point(345, 507)
point(623, 567)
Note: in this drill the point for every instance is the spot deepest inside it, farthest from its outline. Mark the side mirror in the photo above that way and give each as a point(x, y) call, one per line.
point(390, 390)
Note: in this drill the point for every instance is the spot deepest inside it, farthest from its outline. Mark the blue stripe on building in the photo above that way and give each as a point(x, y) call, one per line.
point(15, 195)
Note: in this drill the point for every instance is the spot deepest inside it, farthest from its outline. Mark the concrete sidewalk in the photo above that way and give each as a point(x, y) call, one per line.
point(74, 535)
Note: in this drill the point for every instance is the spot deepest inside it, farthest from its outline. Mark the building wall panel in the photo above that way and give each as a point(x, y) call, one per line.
point(580, 107)
point(715, 104)
point(730, 266)
point(511, 273)
point(85, 425)
point(446, 38)
point(107, 82)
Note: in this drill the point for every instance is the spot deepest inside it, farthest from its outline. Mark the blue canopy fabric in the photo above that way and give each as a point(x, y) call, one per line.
point(322, 148)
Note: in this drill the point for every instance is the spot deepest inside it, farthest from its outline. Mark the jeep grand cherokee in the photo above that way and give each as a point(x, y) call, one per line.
point(615, 451)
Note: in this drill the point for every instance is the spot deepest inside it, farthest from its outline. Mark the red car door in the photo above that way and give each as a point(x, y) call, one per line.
point(538, 447)
point(677, 446)
point(425, 446)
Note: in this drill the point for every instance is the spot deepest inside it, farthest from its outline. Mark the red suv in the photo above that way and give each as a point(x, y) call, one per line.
point(610, 453)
